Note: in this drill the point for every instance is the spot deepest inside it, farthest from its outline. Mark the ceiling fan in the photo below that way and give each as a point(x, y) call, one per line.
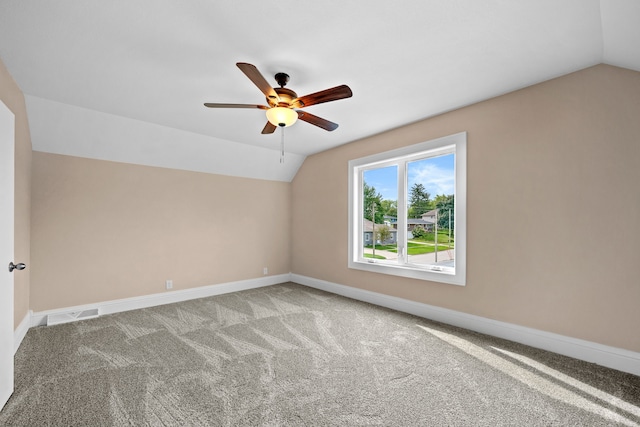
point(283, 103)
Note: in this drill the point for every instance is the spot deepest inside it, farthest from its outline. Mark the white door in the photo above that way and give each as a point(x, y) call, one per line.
point(6, 252)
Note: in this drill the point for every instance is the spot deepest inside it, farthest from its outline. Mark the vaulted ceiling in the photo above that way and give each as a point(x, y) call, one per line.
point(126, 80)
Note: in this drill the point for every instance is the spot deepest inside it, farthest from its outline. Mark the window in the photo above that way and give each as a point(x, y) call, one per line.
point(407, 211)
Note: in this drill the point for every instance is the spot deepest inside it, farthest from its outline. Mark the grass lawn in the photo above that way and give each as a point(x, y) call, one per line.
point(374, 256)
point(443, 237)
point(414, 248)
point(419, 248)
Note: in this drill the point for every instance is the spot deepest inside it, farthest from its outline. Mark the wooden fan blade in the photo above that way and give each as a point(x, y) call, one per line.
point(317, 121)
point(333, 94)
point(218, 105)
point(269, 128)
point(254, 75)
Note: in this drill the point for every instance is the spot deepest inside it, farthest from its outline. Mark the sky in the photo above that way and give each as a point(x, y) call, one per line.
point(435, 173)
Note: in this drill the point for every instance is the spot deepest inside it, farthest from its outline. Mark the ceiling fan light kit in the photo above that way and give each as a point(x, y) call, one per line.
point(282, 116)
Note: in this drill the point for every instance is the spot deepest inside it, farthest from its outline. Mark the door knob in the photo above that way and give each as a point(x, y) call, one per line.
point(19, 266)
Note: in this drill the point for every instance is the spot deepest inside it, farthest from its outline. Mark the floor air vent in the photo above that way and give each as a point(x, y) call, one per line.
point(56, 319)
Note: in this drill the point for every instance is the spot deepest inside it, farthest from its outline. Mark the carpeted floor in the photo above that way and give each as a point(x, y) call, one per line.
point(288, 355)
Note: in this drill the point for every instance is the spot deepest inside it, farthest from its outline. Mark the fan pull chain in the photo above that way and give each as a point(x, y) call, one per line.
point(282, 145)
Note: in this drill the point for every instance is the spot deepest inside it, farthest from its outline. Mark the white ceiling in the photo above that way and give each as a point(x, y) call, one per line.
point(125, 80)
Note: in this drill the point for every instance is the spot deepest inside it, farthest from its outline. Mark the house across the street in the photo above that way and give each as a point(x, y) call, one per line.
point(368, 233)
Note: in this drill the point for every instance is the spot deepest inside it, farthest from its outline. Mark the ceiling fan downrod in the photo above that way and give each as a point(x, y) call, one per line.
point(282, 79)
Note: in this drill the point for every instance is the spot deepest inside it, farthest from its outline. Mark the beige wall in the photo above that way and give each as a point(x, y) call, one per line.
point(553, 209)
point(13, 98)
point(105, 230)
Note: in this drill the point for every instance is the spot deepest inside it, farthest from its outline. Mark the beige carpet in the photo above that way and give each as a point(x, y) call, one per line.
point(288, 355)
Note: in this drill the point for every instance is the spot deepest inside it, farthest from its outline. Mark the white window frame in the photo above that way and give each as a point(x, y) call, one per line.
point(453, 143)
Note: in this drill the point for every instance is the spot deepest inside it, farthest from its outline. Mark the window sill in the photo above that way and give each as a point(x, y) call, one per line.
point(447, 277)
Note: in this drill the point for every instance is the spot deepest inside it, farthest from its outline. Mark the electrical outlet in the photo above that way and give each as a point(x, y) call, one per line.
point(169, 284)
point(265, 271)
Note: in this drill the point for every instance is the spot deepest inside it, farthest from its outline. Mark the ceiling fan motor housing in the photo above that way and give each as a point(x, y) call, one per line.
point(286, 96)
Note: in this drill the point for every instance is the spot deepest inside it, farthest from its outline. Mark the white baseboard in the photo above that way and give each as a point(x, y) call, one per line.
point(126, 304)
point(611, 357)
point(20, 332)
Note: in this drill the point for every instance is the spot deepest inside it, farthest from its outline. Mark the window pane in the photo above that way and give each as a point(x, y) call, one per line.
point(430, 212)
point(379, 210)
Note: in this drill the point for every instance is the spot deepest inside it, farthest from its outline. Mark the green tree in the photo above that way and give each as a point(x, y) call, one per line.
point(445, 206)
point(389, 207)
point(419, 200)
point(383, 233)
point(371, 199)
